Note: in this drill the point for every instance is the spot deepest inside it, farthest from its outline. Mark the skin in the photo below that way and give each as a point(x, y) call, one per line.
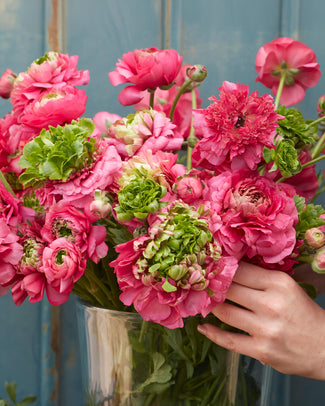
point(286, 328)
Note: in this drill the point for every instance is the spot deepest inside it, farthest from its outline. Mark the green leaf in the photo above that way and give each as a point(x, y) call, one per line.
point(11, 389)
point(161, 372)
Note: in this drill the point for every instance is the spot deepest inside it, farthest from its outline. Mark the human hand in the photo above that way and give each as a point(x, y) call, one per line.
point(286, 328)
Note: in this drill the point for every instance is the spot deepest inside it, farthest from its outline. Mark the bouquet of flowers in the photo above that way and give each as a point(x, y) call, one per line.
point(152, 212)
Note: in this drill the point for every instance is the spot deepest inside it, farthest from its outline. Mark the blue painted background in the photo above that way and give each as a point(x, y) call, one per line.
point(38, 343)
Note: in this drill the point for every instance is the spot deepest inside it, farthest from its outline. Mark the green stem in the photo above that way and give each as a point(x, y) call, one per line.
point(191, 134)
point(6, 184)
point(319, 146)
point(152, 97)
point(279, 92)
point(180, 92)
point(319, 120)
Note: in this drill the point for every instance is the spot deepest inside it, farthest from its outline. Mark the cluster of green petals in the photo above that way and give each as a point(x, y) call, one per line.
point(180, 245)
point(140, 197)
point(58, 153)
point(294, 134)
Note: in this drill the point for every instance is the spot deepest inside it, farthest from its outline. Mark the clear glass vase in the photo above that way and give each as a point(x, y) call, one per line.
point(130, 362)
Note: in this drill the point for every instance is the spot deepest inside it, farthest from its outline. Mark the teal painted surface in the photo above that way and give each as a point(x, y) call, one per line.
point(38, 344)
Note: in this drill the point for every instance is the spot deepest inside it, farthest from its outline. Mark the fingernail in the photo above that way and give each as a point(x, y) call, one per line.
point(202, 329)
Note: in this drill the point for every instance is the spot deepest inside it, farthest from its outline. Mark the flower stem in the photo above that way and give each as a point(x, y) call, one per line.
point(191, 134)
point(279, 92)
point(180, 92)
point(152, 97)
point(5, 183)
point(319, 146)
point(319, 120)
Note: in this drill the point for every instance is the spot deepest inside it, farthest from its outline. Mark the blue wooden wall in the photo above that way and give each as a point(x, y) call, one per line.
point(38, 343)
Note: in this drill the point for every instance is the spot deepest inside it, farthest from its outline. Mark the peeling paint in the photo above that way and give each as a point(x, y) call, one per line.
point(56, 26)
point(71, 361)
point(55, 346)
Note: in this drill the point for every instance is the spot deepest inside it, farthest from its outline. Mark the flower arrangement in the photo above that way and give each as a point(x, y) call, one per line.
point(153, 212)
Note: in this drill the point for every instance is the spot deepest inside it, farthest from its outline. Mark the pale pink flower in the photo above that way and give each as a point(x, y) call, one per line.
point(235, 129)
point(318, 263)
point(146, 130)
point(7, 83)
point(103, 120)
point(294, 58)
point(315, 237)
point(56, 106)
point(63, 265)
point(258, 215)
point(146, 69)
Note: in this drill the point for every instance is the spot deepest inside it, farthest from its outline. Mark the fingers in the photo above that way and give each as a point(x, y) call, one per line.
point(235, 316)
point(250, 298)
point(252, 276)
point(236, 342)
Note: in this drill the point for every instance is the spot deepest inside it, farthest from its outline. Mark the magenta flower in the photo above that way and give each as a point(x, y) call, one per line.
point(63, 265)
point(10, 255)
point(7, 83)
point(68, 222)
point(258, 215)
point(146, 69)
point(52, 69)
point(176, 270)
point(235, 129)
point(56, 106)
point(296, 60)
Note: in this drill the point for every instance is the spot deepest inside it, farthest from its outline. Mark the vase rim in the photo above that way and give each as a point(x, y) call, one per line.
point(84, 304)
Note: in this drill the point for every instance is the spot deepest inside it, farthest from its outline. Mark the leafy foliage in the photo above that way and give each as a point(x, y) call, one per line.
point(11, 389)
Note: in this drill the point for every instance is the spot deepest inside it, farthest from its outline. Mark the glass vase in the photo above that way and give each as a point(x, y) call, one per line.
point(127, 361)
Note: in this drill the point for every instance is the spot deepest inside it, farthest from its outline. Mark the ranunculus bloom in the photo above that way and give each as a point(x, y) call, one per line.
point(194, 278)
point(293, 57)
point(52, 69)
point(80, 190)
point(57, 106)
point(146, 69)
point(146, 130)
point(183, 112)
point(258, 216)
point(63, 265)
point(66, 221)
point(235, 129)
point(103, 120)
point(10, 254)
point(7, 83)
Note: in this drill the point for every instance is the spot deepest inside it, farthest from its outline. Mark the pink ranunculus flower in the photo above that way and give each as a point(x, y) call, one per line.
point(258, 216)
point(190, 284)
point(68, 222)
point(103, 120)
point(7, 83)
point(235, 129)
point(183, 112)
point(52, 69)
point(10, 255)
point(63, 265)
point(79, 191)
point(31, 285)
point(294, 58)
point(146, 69)
point(56, 106)
point(146, 130)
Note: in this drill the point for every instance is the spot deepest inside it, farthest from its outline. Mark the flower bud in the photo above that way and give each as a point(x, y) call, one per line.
point(197, 73)
point(189, 189)
point(100, 207)
point(177, 272)
point(314, 237)
point(318, 264)
point(7, 83)
point(321, 105)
